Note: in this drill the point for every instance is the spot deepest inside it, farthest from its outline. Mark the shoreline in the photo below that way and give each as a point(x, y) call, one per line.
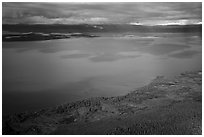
point(179, 99)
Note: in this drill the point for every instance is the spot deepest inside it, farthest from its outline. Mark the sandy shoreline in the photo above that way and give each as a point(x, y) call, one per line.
point(165, 106)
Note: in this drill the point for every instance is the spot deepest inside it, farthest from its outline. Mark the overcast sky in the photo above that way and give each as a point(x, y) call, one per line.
point(99, 13)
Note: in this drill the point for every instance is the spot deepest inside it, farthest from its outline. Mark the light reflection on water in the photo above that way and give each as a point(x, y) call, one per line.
point(45, 73)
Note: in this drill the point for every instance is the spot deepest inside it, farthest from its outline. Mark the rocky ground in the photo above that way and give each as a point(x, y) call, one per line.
point(165, 106)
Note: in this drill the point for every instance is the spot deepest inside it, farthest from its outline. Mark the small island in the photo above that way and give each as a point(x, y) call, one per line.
point(31, 36)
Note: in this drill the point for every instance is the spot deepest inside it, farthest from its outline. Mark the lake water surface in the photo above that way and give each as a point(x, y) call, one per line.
point(45, 73)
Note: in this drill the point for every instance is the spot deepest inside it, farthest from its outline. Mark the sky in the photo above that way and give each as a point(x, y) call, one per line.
point(136, 13)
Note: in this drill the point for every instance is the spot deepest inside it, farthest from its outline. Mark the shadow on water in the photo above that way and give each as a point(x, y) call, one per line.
point(185, 54)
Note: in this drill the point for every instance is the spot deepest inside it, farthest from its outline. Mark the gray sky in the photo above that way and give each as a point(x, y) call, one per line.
point(99, 13)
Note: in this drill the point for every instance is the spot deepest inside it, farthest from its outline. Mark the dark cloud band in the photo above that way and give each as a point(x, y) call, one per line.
point(96, 13)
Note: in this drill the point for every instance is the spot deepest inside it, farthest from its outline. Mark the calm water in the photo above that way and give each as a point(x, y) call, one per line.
point(46, 73)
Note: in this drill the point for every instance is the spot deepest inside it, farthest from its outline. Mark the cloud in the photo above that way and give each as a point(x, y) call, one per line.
point(75, 13)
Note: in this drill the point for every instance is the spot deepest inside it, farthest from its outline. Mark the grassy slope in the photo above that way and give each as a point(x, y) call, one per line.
point(165, 106)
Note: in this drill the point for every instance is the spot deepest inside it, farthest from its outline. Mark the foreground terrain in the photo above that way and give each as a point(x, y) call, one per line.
point(165, 106)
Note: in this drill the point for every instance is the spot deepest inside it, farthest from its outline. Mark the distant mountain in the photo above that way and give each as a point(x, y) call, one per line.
point(86, 28)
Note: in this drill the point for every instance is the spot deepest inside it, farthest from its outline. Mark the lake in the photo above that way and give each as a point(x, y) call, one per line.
point(38, 74)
